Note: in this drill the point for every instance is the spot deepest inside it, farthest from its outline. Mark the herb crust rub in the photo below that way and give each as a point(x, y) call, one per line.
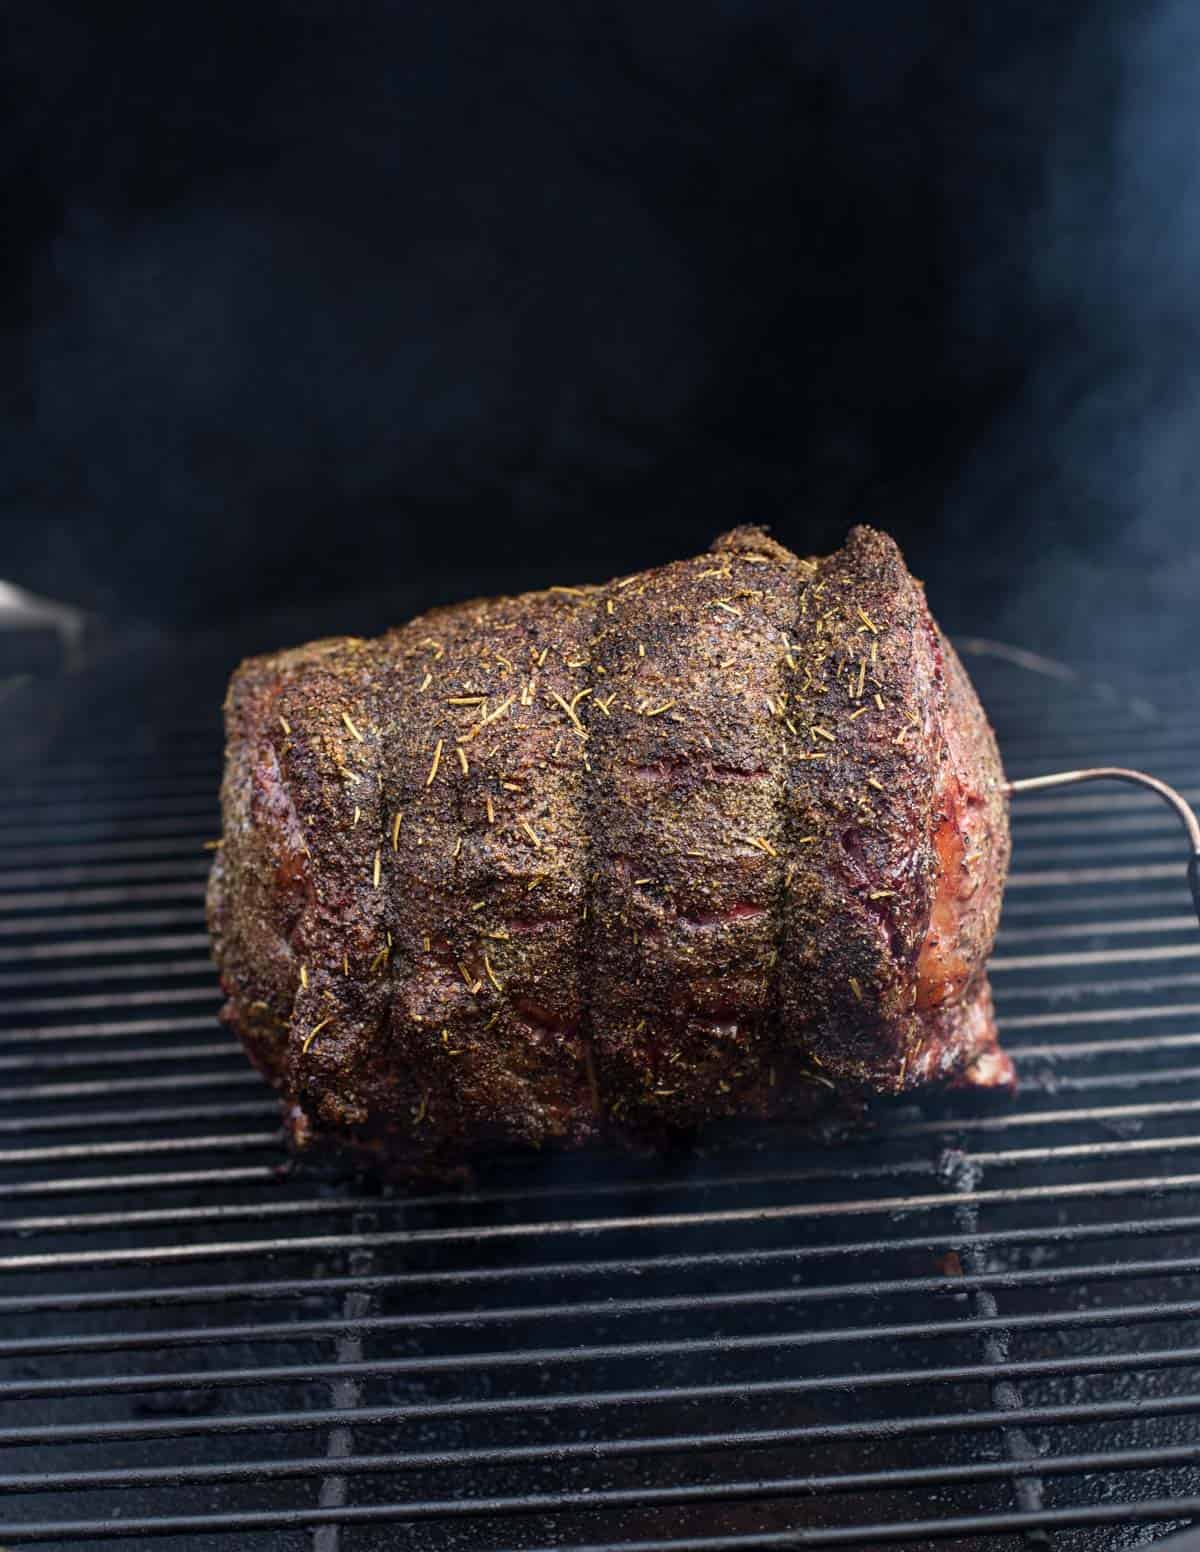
point(722, 839)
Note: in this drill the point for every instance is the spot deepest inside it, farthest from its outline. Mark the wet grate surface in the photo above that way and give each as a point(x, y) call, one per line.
point(977, 1328)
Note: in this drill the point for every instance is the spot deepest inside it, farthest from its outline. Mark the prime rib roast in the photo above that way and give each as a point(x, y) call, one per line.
point(723, 839)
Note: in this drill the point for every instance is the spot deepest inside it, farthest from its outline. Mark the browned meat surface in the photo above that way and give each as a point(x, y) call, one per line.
point(721, 839)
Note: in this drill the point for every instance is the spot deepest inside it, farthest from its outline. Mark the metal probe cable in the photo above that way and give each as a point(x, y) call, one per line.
point(1183, 809)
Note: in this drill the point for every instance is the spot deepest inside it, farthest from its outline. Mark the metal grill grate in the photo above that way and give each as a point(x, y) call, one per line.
point(978, 1328)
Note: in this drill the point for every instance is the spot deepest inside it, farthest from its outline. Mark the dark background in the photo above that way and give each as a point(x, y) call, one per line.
point(320, 312)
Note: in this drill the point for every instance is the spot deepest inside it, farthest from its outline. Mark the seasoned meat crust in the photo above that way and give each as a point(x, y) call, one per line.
point(722, 839)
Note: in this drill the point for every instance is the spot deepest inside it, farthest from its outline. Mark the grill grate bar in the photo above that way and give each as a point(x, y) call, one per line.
point(600, 1400)
point(1094, 929)
point(196, 824)
point(1066, 1414)
point(895, 1531)
point(1050, 1234)
point(61, 781)
point(534, 1194)
point(81, 874)
point(57, 787)
point(1070, 744)
point(232, 1141)
point(48, 900)
point(157, 798)
point(951, 1126)
point(108, 851)
point(1074, 878)
point(1075, 1016)
point(360, 1416)
point(170, 969)
point(92, 812)
point(102, 1000)
point(1072, 1050)
point(533, 1357)
point(239, 1078)
point(53, 1033)
point(94, 948)
point(605, 1498)
point(95, 921)
point(166, 1180)
point(919, 1531)
point(1071, 990)
point(323, 1206)
point(1035, 908)
point(877, 1288)
point(1032, 855)
point(1002, 1123)
point(123, 1056)
point(1036, 807)
point(1058, 1082)
point(1136, 954)
point(1177, 771)
point(163, 1254)
point(85, 1121)
point(955, 1126)
point(1153, 1185)
point(896, 1169)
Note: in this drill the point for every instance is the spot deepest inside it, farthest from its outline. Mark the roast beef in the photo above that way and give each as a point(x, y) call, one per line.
point(720, 839)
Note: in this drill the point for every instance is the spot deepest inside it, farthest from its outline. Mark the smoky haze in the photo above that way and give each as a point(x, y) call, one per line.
point(312, 303)
point(1100, 450)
